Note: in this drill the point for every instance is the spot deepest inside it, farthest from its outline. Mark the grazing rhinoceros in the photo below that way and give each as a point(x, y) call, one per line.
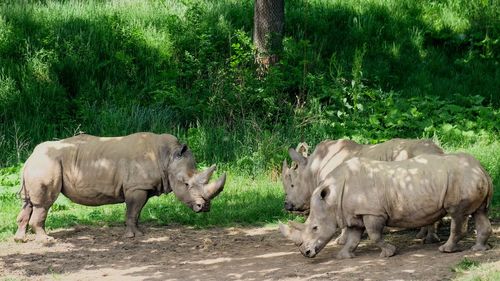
point(301, 179)
point(367, 194)
point(95, 171)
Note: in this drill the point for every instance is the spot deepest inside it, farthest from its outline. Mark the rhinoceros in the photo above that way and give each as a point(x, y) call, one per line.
point(368, 194)
point(94, 171)
point(301, 179)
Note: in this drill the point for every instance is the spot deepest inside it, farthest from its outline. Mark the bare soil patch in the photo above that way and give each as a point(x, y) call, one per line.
point(236, 253)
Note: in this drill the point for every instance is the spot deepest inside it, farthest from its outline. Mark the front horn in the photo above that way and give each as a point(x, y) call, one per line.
point(214, 188)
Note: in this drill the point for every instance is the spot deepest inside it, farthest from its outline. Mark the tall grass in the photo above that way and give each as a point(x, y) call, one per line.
point(116, 67)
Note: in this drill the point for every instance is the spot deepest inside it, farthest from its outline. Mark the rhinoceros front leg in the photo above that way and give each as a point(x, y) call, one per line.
point(375, 226)
point(342, 239)
point(352, 237)
point(135, 201)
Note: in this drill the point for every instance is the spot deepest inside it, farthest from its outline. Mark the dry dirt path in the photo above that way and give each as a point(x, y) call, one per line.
point(183, 253)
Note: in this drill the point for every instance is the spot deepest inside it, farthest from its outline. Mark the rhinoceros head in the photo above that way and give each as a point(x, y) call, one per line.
point(189, 185)
point(295, 182)
point(319, 228)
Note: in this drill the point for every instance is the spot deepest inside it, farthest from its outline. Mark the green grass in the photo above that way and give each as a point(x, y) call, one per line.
point(368, 70)
point(244, 201)
point(470, 270)
point(464, 265)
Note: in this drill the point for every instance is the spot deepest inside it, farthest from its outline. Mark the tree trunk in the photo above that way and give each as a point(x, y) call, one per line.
point(268, 30)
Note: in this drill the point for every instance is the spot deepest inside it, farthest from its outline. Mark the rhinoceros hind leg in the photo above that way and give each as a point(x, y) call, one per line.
point(37, 223)
point(375, 226)
point(483, 227)
point(422, 233)
point(431, 236)
point(456, 233)
point(22, 222)
point(135, 201)
point(352, 237)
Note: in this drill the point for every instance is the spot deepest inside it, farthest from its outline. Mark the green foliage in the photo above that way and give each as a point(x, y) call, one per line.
point(470, 270)
point(464, 265)
point(483, 272)
point(368, 70)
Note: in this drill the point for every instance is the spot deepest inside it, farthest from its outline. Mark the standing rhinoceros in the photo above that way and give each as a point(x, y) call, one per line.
point(367, 194)
point(300, 180)
point(95, 171)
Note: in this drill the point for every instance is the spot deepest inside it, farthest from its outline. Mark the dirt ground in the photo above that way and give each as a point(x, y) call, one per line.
point(183, 253)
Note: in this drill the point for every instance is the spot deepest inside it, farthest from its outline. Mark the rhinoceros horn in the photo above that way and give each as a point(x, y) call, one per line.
point(205, 176)
point(214, 188)
point(291, 232)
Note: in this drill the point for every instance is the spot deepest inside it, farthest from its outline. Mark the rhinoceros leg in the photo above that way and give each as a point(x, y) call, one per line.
point(22, 222)
point(135, 201)
point(352, 237)
point(456, 233)
point(422, 232)
point(431, 236)
point(375, 226)
point(483, 227)
point(342, 239)
point(37, 222)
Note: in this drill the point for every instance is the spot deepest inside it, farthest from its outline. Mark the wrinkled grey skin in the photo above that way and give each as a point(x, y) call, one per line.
point(96, 171)
point(300, 180)
point(366, 194)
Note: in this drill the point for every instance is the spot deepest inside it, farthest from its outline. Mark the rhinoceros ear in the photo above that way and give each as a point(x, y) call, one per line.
point(303, 149)
point(324, 192)
point(180, 151)
point(284, 169)
point(297, 157)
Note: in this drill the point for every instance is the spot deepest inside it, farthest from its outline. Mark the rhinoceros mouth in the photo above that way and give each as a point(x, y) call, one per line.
point(200, 208)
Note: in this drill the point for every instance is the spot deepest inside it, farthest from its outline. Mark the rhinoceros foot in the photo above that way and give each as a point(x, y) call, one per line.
point(479, 247)
point(431, 238)
point(448, 248)
point(345, 255)
point(20, 239)
point(44, 239)
point(422, 233)
point(131, 233)
point(388, 251)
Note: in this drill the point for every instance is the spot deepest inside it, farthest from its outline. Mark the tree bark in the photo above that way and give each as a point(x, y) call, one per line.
point(269, 19)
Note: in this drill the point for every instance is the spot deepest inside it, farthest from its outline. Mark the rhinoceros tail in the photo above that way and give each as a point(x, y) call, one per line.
point(23, 192)
point(490, 189)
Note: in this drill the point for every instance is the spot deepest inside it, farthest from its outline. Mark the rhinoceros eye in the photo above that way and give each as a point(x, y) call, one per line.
point(186, 184)
point(315, 228)
point(292, 185)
